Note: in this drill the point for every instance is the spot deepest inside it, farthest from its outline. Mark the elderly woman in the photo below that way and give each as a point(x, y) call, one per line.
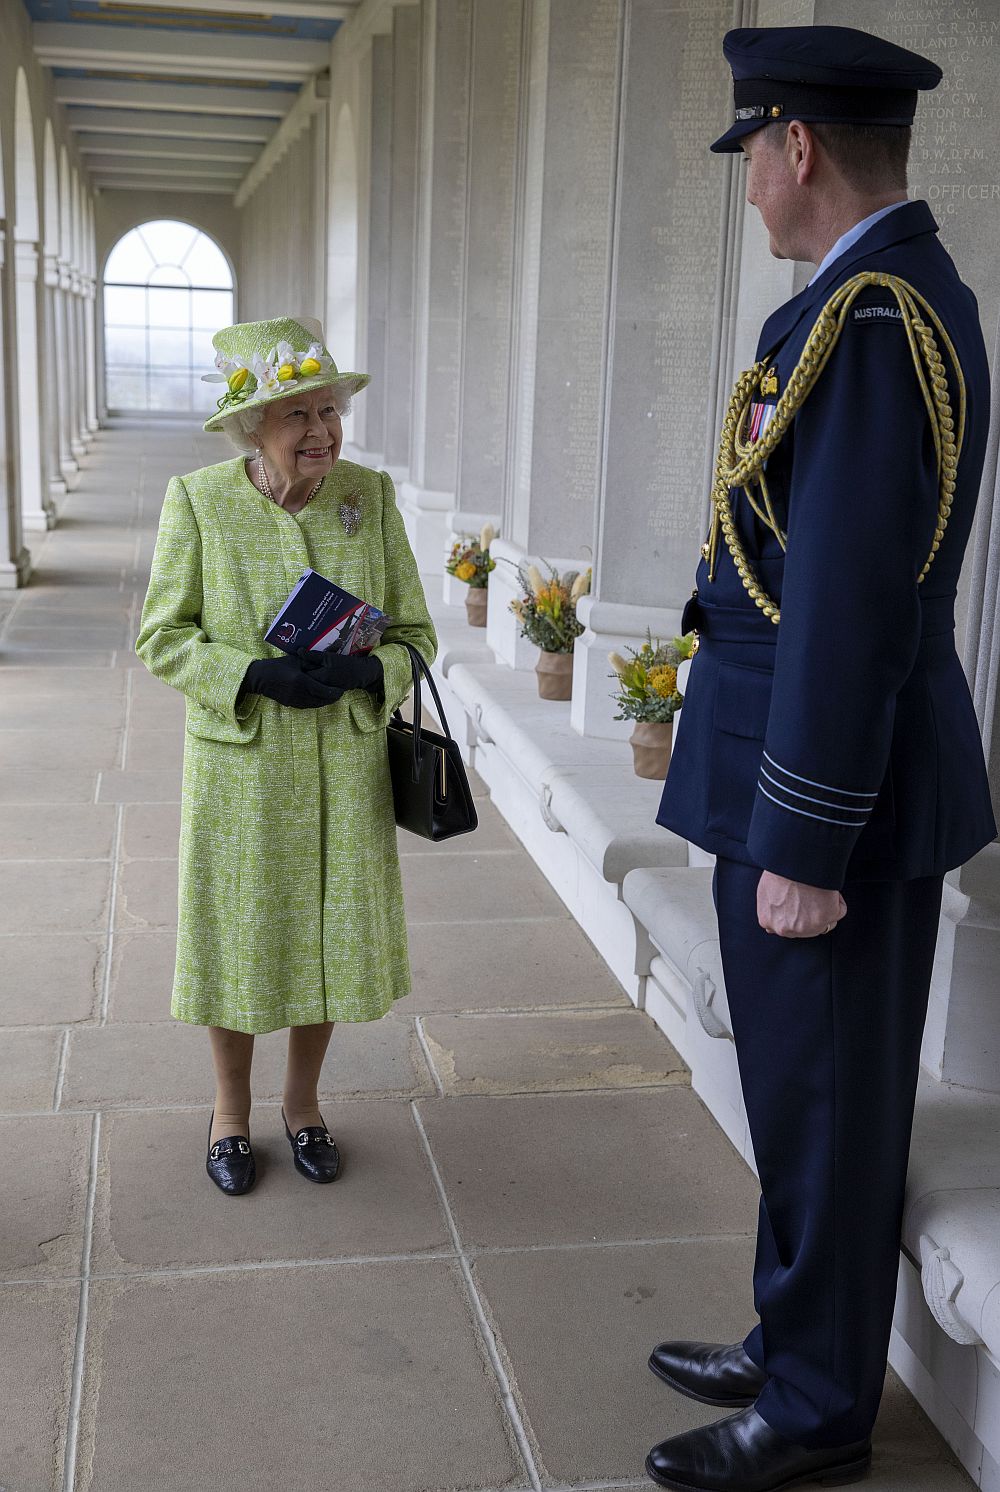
point(290, 902)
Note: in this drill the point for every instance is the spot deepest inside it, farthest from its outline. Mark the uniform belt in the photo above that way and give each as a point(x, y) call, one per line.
point(746, 624)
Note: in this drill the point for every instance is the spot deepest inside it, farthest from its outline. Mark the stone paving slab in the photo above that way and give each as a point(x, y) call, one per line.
point(169, 1064)
point(492, 834)
point(27, 785)
point(156, 1207)
point(22, 683)
point(550, 1052)
point(34, 1383)
point(578, 1167)
point(147, 894)
point(476, 887)
point(53, 751)
point(359, 1378)
point(156, 749)
point(68, 831)
point(28, 1070)
point(139, 785)
point(142, 974)
point(577, 1327)
point(36, 896)
point(43, 1182)
point(151, 830)
point(52, 980)
point(553, 963)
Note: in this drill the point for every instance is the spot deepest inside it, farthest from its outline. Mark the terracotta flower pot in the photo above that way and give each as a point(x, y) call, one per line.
point(555, 675)
point(650, 742)
point(475, 605)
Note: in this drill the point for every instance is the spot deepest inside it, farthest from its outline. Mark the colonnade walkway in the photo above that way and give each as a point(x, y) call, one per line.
point(532, 1194)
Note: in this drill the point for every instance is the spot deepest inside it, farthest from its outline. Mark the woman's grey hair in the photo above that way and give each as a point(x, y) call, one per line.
point(242, 423)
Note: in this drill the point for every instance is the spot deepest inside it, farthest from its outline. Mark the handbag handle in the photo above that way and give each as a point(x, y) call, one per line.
point(419, 667)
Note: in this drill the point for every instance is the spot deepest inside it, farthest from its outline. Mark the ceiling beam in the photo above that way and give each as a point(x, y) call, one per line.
point(173, 98)
point(206, 54)
point(161, 184)
point(152, 147)
point(313, 10)
point(110, 165)
point(208, 127)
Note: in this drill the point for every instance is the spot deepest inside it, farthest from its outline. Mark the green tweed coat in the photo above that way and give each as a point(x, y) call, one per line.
point(290, 902)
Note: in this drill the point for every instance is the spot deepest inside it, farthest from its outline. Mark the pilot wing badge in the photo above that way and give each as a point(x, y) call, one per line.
point(763, 406)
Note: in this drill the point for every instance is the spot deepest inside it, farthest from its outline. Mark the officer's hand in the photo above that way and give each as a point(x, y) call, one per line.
point(794, 910)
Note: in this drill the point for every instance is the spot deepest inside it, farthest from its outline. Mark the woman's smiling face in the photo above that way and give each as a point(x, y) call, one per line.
point(301, 436)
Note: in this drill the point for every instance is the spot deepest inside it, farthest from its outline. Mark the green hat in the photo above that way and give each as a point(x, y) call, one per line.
point(261, 361)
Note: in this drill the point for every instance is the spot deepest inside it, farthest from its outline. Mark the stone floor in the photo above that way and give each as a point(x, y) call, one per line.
point(532, 1195)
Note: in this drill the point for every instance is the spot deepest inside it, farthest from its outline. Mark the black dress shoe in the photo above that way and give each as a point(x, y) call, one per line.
point(314, 1152)
point(722, 1376)
point(743, 1454)
point(230, 1163)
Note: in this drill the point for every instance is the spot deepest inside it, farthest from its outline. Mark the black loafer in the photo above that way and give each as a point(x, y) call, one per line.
point(744, 1452)
point(314, 1152)
point(231, 1164)
point(724, 1377)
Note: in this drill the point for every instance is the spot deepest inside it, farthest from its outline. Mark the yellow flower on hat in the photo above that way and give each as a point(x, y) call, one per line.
point(309, 366)
point(237, 380)
point(287, 372)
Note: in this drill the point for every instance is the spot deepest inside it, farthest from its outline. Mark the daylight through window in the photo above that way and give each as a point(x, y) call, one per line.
point(167, 289)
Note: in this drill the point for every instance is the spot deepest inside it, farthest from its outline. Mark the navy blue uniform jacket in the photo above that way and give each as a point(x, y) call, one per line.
point(843, 743)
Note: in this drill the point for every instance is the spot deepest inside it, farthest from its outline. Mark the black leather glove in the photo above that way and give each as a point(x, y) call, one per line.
point(344, 670)
point(285, 680)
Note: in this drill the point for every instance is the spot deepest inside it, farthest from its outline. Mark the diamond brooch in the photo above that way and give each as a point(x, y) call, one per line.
point(350, 514)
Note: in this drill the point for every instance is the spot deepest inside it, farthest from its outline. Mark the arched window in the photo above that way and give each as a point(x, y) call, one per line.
point(167, 288)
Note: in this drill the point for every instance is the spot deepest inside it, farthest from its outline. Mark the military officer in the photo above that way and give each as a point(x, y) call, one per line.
point(828, 752)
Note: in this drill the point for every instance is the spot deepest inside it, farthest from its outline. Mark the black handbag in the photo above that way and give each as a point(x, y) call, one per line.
point(430, 788)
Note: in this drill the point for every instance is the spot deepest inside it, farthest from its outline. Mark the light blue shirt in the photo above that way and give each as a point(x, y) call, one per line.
point(848, 239)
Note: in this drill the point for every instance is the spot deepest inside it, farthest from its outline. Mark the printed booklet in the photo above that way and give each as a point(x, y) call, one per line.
point(322, 617)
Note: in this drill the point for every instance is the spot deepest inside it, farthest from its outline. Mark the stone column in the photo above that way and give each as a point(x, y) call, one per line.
point(484, 368)
point(569, 104)
point(84, 433)
point(429, 495)
point(371, 411)
point(75, 349)
point(663, 330)
point(67, 461)
point(402, 237)
point(55, 482)
point(15, 561)
point(90, 353)
point(36, 506)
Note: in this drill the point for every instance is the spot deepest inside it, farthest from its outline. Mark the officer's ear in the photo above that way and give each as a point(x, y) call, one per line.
point(800, 151)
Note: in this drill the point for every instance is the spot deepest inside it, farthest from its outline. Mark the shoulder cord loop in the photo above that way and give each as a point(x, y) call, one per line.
point(741, 462)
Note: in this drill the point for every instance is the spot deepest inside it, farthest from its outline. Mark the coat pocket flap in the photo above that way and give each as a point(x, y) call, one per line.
point(209, 725)
point(743, 700)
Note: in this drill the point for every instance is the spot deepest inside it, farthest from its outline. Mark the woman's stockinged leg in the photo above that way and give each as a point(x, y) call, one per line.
point(232, 1057)
point(306, 1049)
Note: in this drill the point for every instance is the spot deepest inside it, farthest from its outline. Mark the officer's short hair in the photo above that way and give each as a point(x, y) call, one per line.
point(873, 157)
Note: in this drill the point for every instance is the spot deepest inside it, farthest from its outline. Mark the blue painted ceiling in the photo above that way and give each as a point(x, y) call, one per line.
point(95, 12)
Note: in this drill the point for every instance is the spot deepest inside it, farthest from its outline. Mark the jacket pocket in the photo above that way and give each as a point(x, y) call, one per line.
point(739, 725)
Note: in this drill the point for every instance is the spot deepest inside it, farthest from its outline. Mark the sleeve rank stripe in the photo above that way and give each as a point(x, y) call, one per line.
point(840, 823)
point(807, 798)
point(824, 787)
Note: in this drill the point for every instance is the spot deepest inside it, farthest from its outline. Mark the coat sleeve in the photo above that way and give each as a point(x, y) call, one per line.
point(861, 517)
point(411, 623)
point(171, 641)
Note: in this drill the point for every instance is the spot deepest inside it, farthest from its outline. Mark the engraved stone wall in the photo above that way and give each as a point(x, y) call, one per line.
point(378, 242)
point(485, 372)
point(562, 296)
point(663, 300)
point(402, 232)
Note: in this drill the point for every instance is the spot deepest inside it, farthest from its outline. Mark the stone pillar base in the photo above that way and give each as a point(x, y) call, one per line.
point(70, 474)
point(78, 448)
point(14, 573)
point(39, 520)
point(425, 514)
point(610, 628)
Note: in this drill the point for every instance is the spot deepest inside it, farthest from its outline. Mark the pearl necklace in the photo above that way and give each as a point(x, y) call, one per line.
point(265, 485)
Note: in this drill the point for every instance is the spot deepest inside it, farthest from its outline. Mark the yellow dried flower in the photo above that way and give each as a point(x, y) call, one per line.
point(465, 570)
point(618, 663)
point(581, 586)
point(535, 579)
point(663, 680)
point(487, 536)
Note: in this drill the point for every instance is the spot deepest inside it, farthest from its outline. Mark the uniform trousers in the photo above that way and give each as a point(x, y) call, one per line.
point(828, 1034)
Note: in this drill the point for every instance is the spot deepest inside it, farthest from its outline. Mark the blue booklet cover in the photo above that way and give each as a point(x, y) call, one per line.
point(324, 618)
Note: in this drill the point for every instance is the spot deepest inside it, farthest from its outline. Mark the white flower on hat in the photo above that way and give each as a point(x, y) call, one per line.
point(316, 360)
point(266, 371)
point(225, 368)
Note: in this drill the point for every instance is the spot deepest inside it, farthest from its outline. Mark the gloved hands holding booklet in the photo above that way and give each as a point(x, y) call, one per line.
point(343, 670)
